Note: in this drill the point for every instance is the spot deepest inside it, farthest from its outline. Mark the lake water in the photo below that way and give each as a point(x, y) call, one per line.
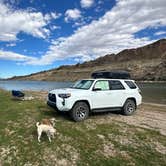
point(33, 85)
point(151, 92)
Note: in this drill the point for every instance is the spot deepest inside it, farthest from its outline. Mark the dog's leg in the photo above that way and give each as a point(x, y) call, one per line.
point(39, 135)
point(49, 136)
point(53, 135)
point(49, 139)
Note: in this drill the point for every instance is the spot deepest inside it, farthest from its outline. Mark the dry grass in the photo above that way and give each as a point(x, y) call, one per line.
point(103, 139)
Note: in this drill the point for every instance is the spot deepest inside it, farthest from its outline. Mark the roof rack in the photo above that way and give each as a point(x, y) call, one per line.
point(115, 74)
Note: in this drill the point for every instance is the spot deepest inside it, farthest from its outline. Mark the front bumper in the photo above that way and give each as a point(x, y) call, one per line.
point(59, 105)
point(51, 104)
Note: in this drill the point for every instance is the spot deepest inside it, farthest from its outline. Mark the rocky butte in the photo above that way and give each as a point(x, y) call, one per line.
point(147, 63)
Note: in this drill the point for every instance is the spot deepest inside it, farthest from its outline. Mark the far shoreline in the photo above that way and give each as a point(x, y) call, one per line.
point(139, 81)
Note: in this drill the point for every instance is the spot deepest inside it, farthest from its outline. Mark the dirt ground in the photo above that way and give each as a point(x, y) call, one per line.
point(103, 139)
point(148, 115)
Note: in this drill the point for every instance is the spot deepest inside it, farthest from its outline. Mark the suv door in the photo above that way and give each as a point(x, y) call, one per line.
point(108, 94)
point(117, 93)
point(100, 94)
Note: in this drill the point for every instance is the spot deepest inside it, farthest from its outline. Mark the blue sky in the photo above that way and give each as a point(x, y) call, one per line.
point(37, 35)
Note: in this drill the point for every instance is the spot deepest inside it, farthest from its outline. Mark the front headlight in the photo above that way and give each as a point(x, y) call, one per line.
point(64, 95)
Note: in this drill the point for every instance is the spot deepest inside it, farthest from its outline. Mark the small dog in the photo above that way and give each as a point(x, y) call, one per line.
point(46, 126)
point(49, 122)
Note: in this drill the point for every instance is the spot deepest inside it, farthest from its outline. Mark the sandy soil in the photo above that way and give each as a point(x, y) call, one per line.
point(148, 115)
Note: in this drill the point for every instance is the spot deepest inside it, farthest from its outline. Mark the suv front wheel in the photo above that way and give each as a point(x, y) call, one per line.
point(80, 111)
point(129, 107)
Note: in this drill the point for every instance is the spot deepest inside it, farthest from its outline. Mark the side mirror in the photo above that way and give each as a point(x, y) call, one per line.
point(96, 89)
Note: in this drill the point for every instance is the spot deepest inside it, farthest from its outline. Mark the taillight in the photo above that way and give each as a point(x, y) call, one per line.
point(139, 90)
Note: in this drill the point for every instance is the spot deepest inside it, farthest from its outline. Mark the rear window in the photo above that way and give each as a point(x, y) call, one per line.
point(131, 84)
point(116, 85)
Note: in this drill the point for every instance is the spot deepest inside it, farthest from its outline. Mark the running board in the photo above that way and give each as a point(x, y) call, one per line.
point(107, 109)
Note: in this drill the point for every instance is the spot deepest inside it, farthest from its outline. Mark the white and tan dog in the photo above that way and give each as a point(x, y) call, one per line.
point(50, 122)
point(46, 126)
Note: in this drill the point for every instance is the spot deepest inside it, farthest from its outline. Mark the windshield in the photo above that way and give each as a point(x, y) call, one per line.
point(83, 84)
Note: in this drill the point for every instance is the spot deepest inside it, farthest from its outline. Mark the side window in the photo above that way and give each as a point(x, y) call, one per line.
point(131, 84)
point(103, 85)
point(116, 85)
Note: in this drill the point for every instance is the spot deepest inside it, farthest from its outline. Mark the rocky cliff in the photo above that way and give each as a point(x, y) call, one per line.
point(144, 63)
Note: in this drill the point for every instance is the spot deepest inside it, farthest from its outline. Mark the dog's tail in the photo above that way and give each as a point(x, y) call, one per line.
point(37, 124)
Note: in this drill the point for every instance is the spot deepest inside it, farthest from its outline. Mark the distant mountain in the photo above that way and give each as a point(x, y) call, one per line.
point(143, 63)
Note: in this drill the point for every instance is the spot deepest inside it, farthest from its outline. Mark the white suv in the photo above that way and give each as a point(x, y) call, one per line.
point(96, 95)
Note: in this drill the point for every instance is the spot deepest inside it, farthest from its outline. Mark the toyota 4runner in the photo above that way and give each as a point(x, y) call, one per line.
point(96, 95)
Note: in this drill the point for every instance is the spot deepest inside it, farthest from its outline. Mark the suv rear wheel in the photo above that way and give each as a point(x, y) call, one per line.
point(129, 107)
point(80, 111)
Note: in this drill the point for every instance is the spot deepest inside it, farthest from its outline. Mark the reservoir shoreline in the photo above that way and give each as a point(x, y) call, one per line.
point(152, 92)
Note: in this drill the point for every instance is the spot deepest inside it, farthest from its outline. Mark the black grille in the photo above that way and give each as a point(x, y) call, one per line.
point(52, 97)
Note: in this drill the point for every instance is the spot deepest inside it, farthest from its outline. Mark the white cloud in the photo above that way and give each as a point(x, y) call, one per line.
point(12, 22)
point(160, 33)
point(55, 15)
point(86, 3)
point(10, 44)
point(7, 55)
point(53, 27)
point(72, 14)
point(112, 33)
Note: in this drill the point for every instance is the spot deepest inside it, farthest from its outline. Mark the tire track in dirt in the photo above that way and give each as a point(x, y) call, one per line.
point(147, 116)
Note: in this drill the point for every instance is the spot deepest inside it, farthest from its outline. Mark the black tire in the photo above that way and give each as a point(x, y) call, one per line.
point(129, 107)
point(80, 111)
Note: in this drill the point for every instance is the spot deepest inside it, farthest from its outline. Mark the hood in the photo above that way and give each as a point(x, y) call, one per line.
point(67, 90)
